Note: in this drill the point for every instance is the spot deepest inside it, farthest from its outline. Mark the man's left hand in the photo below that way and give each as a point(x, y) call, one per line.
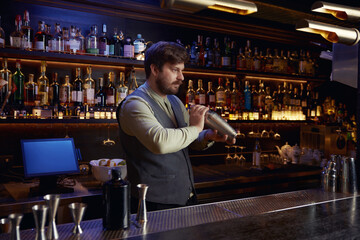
point(213, 135)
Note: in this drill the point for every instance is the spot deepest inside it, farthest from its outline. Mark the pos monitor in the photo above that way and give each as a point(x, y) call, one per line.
point(47, 159)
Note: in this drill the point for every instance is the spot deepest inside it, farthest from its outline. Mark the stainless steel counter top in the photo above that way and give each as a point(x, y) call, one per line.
point(200, 215)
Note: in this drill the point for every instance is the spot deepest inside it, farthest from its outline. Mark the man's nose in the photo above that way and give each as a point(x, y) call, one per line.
point(181, 76)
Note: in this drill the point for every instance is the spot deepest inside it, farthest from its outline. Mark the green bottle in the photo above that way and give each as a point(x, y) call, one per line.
point(18, 85)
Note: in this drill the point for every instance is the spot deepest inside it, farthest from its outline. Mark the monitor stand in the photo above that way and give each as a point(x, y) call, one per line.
point(48, 185)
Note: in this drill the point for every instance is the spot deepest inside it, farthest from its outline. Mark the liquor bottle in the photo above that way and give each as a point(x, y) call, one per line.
point(101, 94)
point(54, 92)
point(104, 42)
point(235, 98)
point(241, 62)
point(209, 53)
point(74, 41)
point(227, 94)
point(296, 98)
point(233, 54)
point(226, 54)
point(308, 101)
point(122, 90)
point(268, 61)
point(17, 35)
point(256, 64)
point(256, 154)
point(82, 40)
point(65, 38)
point(293, 63)
point(303, 98)
point(89, 88)
point(283, 62)
point(28, 32)
point(31, 91)
point(200, 53)
point(220, 96)
point(210, 98)
point(190, 94)
point(269, 104)
point(286, 95)
point(40, 37)
point(261, 99)
point(302, 63)
point(254, 98)
point(276, 62)
point(48, 37)
point(2, 36)
point(18, 80)
point(139, 45)
point(217, 54)
point(248, 56)
point(77, 93)
point(278, 97)
point(291, 95)
point(121, 46)
point(57, 44)
point(111, 91)
point(116, 199)
point(5, 81)
point(43, 84)
point(310, 66)
point(132, 83)
point(200, 95)
point(92, 41)
point(193, 54)
point(115, 44)
point(247, 96)
point(65, 93)
point(129, 50)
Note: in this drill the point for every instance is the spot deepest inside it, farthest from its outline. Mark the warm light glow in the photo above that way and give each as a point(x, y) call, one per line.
point(236, 7)
point(210, 74)
point(273, 79)
point(341, 12)
point(332, 33)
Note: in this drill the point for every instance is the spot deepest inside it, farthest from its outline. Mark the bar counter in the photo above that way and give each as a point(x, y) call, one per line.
point(306, 214)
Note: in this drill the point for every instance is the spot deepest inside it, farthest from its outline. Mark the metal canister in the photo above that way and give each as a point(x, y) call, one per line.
point(215, 122)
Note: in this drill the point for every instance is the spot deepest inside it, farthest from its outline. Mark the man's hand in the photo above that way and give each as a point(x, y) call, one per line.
point(213, 135)
point(197, 116)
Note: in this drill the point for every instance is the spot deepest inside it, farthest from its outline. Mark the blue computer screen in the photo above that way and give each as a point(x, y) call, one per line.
point(43, 157)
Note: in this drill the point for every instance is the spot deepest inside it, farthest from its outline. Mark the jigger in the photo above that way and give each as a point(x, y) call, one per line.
point(141, 216)
point(15, 220)
point(77, 213)
point(52, 201)
point(40, 212)
point(5, 225)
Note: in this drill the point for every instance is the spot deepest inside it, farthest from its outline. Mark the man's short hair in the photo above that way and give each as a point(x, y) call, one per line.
point(164, 52)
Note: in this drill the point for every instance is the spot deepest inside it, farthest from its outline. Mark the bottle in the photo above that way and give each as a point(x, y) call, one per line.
point(210, 98)
point(190, 94)
point(220, 96)
point(129, 50)
point(200, 53)
point(226, 54)
point(256, 64)
point(256, 154)
point(57, 44)
point(31, 91)
point(103, 42)
point(111, 91)
point(283, 62)
point(77, 93)
point(200, 95)
point(261, 99)
point(248, 56)
point(54, 92)
point(16, 37)
point(291, 95)
point(302, 63)
point(227, 94)
point(139, 45)
point(193, 54)
point(308, 101)
point(101, 94)
point(48, 37)
point(247, 96)
point(268, 61)
point(74, 41)
point(293, 63)
point(296, 98)
point(2, 36)
point(65, 93)
point(217, 54)
point(303, 98)
point(28, 32)
point(5, 81)
point(276, 62)
point(132, 83)
point(122, 90)
point(209, 53)
point(115, 44)
point(89, 89)
point(43, 84)
point(92, 41)
point(65, 39)
point(235, 98)
point(269, 104)
point(286, 95)
point(241, 62)
point(18, 80)
point(233, 55)
point(116, 202)
point(82, 41)
point(40, 37)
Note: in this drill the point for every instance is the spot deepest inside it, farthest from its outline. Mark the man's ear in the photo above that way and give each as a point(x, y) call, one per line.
point(154, 70)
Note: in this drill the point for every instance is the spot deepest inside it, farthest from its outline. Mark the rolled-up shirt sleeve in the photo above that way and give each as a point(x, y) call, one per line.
point(137, 119)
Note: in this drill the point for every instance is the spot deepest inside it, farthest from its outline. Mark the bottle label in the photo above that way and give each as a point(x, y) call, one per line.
point(92, 50)
point(256, 158)
point(129, 51)
point(15, 42)
point(27, 44)
point(225, 61)
point(74, 45)
point(39, 45)
point(2, 41)
point(103, 48)
point(63, 96)
point(139, 47)
point(110, 100)
point(90, 96)
point(212, 99)
point(112, 49)
point(190, 99)
point(220, 96)
point(202, 98)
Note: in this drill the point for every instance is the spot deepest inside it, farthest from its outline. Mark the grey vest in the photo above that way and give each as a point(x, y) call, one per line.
point(169, 176)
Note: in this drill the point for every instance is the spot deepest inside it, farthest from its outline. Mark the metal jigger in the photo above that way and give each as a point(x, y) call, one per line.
point(77, 213)
point(15, 220)
point(5, 225)
point(40, 212)
point(52, 201)
point(141, 216)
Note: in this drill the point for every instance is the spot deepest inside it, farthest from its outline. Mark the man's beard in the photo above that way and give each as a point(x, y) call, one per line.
point(166, 88)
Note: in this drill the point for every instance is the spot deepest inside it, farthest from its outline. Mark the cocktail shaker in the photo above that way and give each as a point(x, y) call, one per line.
point(215, 122)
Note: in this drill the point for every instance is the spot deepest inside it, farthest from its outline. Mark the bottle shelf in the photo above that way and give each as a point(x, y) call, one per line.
point(115, 61)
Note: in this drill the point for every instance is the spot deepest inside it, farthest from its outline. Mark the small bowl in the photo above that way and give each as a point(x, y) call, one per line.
point(103, 173)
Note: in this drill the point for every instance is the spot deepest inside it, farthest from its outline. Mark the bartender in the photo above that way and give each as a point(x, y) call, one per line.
point(156, 131)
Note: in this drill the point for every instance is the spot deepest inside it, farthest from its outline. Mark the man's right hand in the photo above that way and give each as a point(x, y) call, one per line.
point(197, 116)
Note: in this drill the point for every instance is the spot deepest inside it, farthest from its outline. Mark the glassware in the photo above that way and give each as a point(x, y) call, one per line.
point(228, 158)
point(108, 141)
point(77, 212)
point(242, 159)
point(240, 134)
point(265, 134)
point(236, 158)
